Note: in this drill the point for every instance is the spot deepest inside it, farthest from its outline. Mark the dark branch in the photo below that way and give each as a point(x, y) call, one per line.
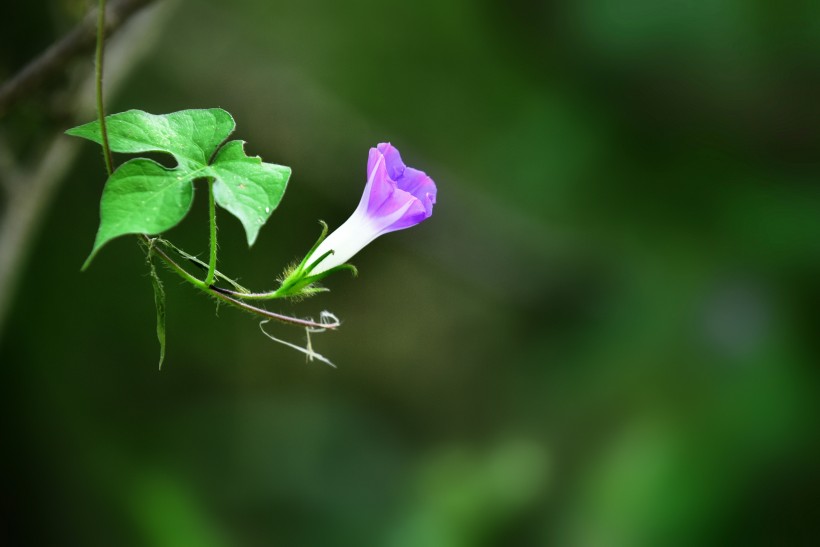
point(79, 41)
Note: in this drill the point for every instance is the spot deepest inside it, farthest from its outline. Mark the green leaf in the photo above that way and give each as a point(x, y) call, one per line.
point(247, 187)
point(191, 136)
point(141, 196)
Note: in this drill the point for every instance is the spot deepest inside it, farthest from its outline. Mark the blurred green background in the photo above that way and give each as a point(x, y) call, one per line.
point(606, 335)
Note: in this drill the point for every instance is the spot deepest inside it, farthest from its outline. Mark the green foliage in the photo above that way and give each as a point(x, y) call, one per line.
point(143, 197)
point(191, 136)
point(247, 187)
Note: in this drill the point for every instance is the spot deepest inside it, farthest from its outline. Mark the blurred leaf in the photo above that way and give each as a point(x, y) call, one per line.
point(466, 498)
point(169, 514)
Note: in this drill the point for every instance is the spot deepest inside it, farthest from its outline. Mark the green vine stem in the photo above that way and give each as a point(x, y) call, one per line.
point(205, 286)
point(218, 276)
point(98, 73)
point(209, 279)
point(226, 296)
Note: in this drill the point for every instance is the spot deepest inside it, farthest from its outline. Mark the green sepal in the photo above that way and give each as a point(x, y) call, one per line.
point(298, 283)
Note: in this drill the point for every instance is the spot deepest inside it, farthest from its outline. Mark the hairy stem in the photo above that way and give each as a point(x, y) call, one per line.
point(179, 270)
point(270, 295)
point(218, 293)
point(209, 279)
point(109, 165)
point(226, 296)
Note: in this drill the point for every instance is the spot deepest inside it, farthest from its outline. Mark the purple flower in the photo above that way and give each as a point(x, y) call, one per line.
point(395, 197)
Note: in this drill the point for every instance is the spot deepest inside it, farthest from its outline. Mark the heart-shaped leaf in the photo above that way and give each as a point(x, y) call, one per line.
point(141, 197)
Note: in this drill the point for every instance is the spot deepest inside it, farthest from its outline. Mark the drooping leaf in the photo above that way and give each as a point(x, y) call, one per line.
point(159, 303)
point(143, 197)
point(247, 187)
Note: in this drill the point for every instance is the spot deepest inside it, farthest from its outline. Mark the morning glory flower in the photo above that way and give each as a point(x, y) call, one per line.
point(395, 197)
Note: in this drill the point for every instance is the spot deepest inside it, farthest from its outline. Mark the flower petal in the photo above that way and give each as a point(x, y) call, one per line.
point(373, 158)
point(394, 210)
point(409, 213)
point(420, 185)
point(395, 167)
point(379, 189)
